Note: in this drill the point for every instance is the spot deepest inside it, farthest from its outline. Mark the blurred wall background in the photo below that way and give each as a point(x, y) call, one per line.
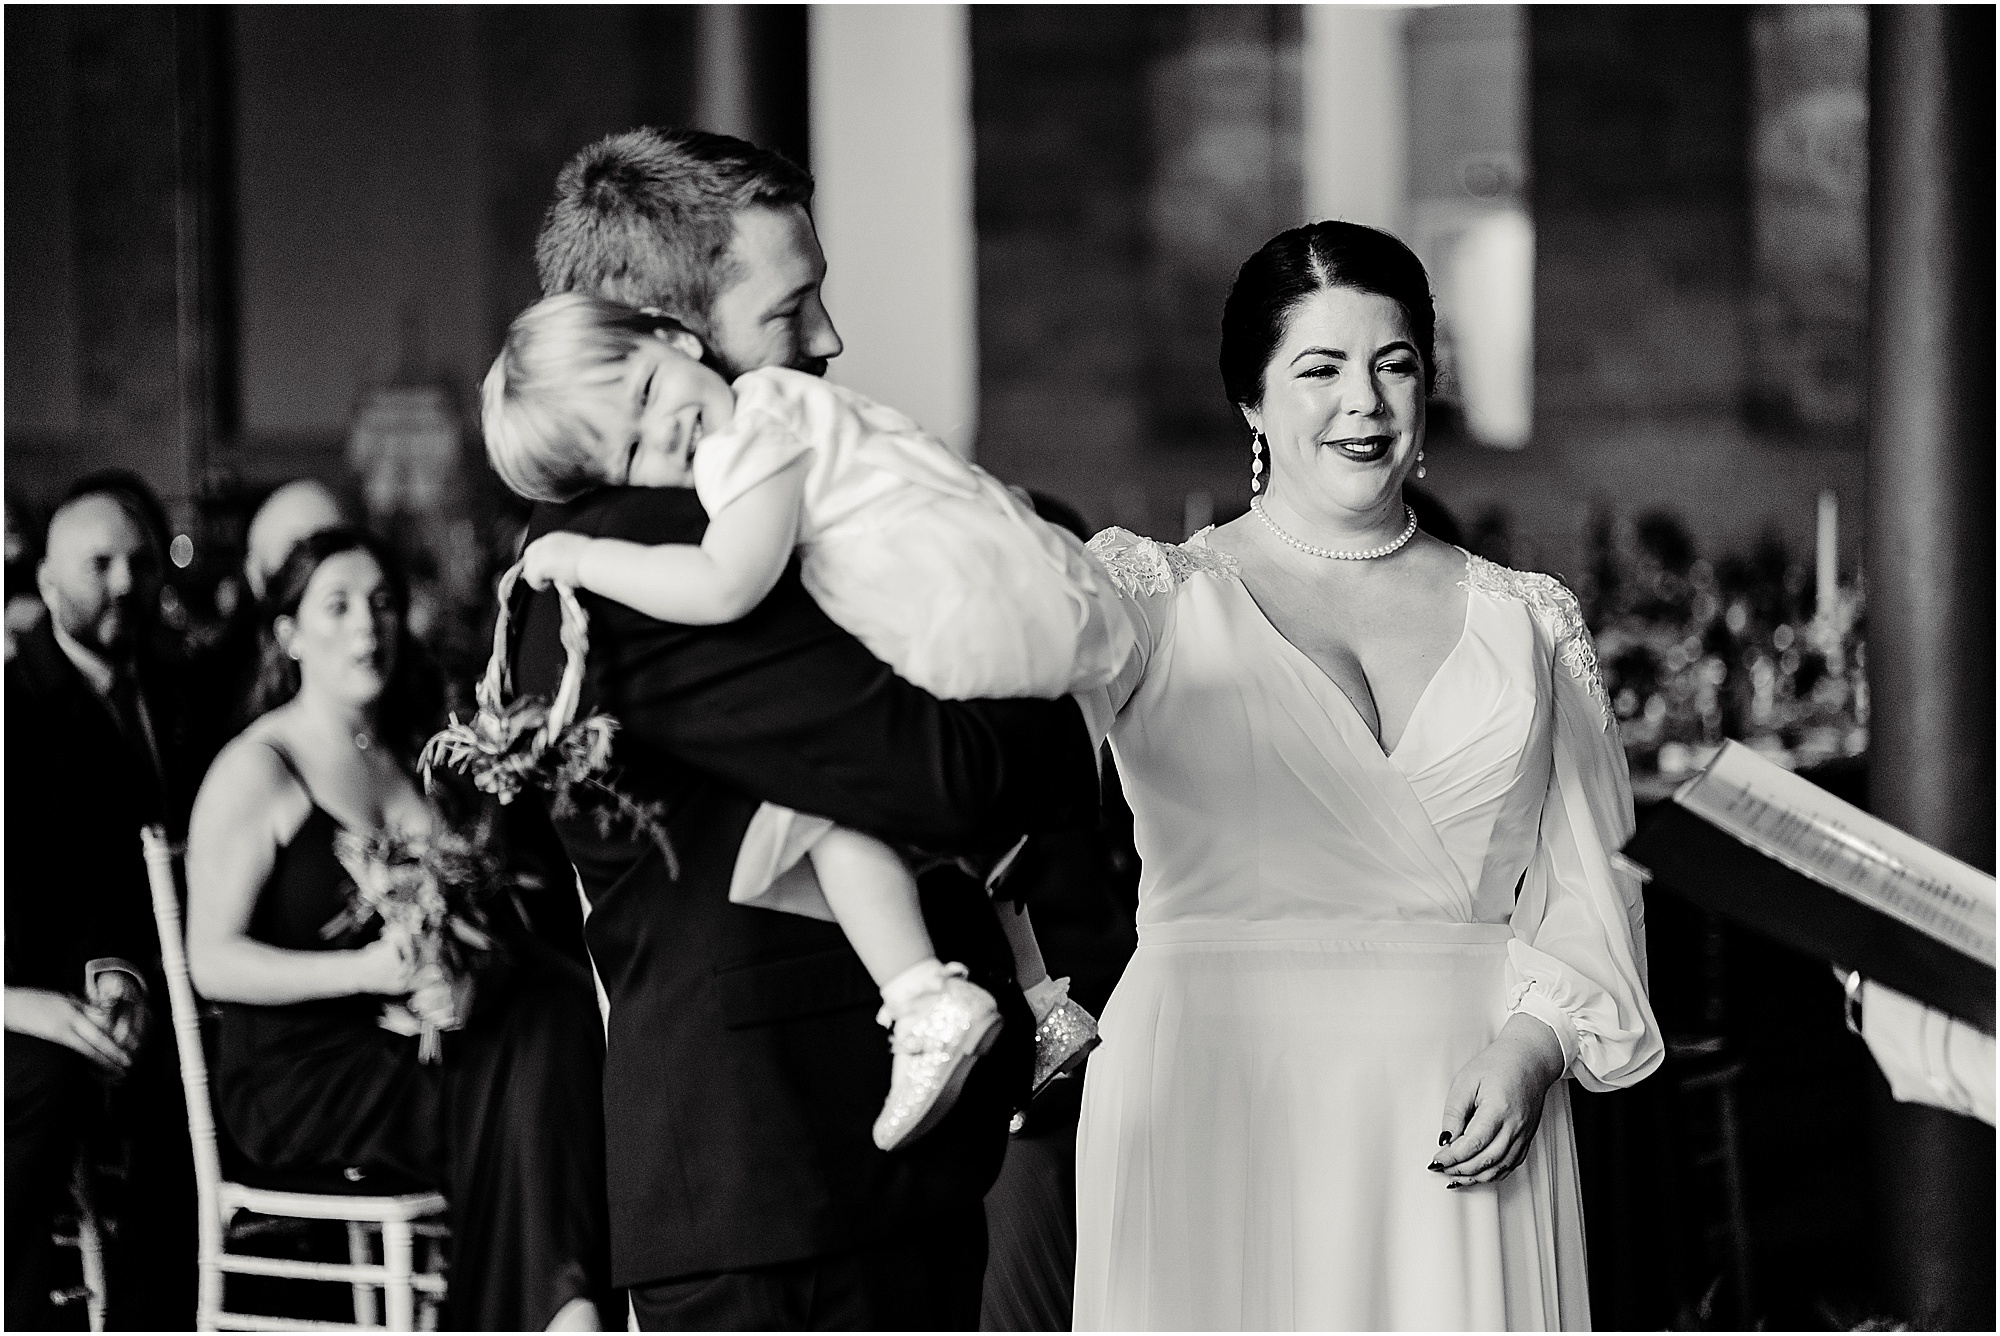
point(1682, 190)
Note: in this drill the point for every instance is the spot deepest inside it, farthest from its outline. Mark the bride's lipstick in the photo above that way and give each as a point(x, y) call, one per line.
point(1361, 449)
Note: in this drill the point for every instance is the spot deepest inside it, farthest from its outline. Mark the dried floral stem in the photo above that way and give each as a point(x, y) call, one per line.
point(645, 818)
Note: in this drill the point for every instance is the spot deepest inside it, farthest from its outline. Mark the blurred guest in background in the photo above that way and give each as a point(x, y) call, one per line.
point(226, 672)
point(132, 492)
point(93, 752)
point(508, 1125)
point(294, 512)
point(24, 606)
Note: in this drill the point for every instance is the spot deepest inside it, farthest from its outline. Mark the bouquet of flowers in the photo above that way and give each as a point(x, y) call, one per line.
point(433, 890)
point(508, 746)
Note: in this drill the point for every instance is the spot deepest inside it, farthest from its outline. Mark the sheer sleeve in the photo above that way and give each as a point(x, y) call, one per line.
point(1578, 958)
point(1146, 574)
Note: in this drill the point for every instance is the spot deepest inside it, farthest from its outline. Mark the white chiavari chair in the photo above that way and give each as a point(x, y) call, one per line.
point(410, 1297)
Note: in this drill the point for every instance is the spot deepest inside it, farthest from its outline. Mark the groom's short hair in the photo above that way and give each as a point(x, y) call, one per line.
point(646, 217)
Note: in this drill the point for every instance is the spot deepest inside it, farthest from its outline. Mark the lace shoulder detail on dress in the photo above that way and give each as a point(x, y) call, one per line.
point(1550, 598)
point(1144, 566)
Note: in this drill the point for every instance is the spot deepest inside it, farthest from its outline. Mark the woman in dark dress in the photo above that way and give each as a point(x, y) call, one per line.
point(509, 1124)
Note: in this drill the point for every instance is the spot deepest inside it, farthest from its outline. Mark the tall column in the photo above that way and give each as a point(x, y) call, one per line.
point(751, 75)
point(1356, 121)
point(204, 242)
point(551, 80)
point(892, 151)
point(1930, 573)
point(151, 213)
point(125, 207)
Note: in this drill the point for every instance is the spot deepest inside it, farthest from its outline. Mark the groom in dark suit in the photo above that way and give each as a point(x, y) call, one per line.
point(744, 1067)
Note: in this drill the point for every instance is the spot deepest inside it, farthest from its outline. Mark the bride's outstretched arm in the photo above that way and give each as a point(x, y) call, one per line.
point(1146, 575)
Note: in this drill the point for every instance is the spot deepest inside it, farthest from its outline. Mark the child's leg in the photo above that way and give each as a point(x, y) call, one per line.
point(940, 1021)
point(874, 899)
point(1029, 967)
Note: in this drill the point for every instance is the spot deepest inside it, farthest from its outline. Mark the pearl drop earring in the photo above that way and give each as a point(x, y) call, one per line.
point(1421, 470)
point(1256, 462)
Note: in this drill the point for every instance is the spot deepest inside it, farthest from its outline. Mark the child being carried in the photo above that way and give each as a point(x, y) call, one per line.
point(930, 562)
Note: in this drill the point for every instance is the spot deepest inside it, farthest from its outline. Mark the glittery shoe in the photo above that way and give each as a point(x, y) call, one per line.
point(1064, 1036)
point(936, 1037)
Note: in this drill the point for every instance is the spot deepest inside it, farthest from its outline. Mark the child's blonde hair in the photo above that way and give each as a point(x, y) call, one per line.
point(556, 396)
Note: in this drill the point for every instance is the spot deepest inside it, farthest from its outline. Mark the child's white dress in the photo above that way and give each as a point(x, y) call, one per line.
point(944, 574)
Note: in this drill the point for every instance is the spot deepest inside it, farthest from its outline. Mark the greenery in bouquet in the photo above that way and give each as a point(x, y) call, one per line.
point(431, 889)
point(506, 748)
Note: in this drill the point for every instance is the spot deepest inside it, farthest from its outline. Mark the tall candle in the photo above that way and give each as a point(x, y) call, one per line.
point(1829, 556)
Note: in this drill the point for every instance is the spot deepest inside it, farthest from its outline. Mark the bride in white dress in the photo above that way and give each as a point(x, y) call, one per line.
point(1377, 788)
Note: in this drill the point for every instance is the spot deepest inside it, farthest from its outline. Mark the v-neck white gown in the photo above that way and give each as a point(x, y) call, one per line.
point(1326, 935)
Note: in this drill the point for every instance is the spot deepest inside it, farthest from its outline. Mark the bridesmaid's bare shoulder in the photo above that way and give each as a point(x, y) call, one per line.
point(249, 784)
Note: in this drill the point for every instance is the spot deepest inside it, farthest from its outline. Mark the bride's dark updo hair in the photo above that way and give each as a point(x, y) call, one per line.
point(412, 701)
point(1295, 264)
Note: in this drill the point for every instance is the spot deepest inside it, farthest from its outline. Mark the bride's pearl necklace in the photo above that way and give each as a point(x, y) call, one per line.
point(1366, 554)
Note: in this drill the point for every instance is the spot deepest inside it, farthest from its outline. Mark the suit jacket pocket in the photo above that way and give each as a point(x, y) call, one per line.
point(794, 987)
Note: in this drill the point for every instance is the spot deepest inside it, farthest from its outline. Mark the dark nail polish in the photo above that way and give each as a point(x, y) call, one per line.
point(1450, 1187)
point(1444, 1138)
point(1435, 1167)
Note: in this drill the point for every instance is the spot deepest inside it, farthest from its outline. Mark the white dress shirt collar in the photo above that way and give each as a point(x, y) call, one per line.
point(89, 662)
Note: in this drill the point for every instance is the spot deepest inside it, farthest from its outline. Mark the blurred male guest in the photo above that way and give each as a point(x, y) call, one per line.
point(743, 1066)
point(226, 673)
point(92, 752)
point(295, 511)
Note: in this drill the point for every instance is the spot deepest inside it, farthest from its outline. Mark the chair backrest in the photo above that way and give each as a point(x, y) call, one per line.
point(187, 1030)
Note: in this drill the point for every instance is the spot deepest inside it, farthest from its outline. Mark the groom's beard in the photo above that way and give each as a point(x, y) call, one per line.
point(714, 361)
point(813, 367)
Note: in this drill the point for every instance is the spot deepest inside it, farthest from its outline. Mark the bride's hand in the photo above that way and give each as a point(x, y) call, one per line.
point(1495, 1104)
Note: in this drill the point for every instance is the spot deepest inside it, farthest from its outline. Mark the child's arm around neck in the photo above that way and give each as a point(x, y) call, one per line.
point(739, 560)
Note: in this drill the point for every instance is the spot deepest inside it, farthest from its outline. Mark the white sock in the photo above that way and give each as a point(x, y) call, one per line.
point(926, 976)
point(1045, 996)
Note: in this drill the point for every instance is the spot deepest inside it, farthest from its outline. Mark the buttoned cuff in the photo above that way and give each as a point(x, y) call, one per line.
point(112, 965)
